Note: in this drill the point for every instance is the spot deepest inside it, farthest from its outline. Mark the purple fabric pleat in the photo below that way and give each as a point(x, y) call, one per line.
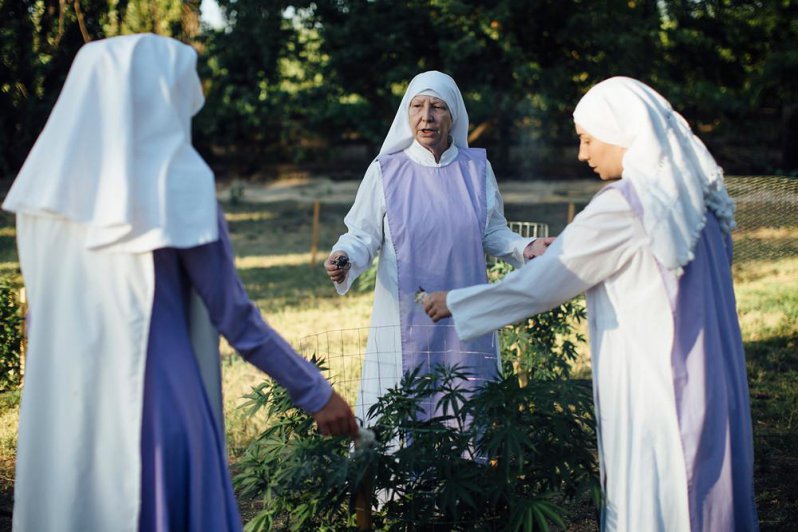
point(710, 385)
point(185, 479)
point(185, 482)
point(437, 217)
point(712, 390)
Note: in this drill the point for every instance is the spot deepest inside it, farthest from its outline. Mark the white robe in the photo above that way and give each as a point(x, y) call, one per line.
point(369, 235)
point(80, 418)
point(112, 177)
point(631, 336)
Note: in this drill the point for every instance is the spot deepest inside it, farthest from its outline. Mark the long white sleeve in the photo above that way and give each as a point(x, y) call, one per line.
point(598, 243)
point(499, 241)
point(364, 223)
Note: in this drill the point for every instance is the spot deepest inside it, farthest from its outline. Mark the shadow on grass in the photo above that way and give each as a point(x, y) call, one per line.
point(282, 227)
point(773, 377)
point(287, 286)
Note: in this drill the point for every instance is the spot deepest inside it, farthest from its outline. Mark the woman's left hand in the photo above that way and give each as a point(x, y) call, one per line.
point(538, 247)
point(435, 306)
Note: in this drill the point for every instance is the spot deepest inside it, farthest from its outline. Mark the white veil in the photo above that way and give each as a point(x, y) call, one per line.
point(441, 85)
point(116, 151)
point(674, 175)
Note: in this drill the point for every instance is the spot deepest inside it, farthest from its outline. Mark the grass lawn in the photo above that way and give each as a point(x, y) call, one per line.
point(272, 244)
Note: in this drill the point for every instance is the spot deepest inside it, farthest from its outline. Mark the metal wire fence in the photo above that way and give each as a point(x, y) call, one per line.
point(530, 229)
point(363, 363)
point(767, 229)
point(767, 217)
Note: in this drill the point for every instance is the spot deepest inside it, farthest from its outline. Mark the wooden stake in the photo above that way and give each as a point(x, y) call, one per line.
point(314, 238)
point(363, 508)
point(571, 212)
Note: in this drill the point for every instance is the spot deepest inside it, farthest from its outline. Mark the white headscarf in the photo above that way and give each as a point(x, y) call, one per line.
point(673, 173)
point(116, 151)
point(433, 83)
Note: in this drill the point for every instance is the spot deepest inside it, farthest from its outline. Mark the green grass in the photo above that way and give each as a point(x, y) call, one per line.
point(272, 243)
point(767, 299)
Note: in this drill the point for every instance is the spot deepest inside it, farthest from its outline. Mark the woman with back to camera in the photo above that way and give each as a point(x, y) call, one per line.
point(120, 238)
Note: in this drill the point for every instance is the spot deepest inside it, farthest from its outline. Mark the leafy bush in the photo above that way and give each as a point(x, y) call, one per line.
point(504, 457)
point(10, 335)
point(367, 281)
point(544, 346)
point(500, 459)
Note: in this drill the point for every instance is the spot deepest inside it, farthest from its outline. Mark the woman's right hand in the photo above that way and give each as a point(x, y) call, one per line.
point(337, 273)
point(336, 418)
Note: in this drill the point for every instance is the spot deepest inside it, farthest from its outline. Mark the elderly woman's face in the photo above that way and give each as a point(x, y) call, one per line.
point(605, 159)
point(431, 123)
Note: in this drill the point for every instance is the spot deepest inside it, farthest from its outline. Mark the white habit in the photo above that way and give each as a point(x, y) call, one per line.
point(368, 237)
point(605, 251)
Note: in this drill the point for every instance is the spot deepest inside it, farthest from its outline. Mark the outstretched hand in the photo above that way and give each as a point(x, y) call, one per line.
point(337, 266)
point(336, 418)
point(538, 247)
point(435, 306)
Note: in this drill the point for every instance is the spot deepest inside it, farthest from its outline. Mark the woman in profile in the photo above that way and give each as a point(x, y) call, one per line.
point(653, 252)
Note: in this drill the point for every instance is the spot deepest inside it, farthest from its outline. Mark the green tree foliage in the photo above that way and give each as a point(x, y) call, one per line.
point(245, 104)
point(522, 66)
point(730, 65)
point(10, 335)
point(299, 80)
point(38, 42)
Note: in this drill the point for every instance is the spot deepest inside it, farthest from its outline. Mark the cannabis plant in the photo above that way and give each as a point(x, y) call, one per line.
point(503, 457)
point(10, 335)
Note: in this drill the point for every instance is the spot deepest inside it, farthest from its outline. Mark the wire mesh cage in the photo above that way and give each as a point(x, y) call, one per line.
point(363, 363)
point(766, 215)
point(429, 473)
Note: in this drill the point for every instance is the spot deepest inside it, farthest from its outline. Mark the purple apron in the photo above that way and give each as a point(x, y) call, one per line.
point(437, 217)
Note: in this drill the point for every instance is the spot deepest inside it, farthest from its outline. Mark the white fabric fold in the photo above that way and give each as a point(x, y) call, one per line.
point(116, 151)
point(686, 179)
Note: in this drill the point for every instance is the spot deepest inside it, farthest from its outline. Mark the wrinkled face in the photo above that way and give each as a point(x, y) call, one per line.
point(431, 123)
point(605, 159)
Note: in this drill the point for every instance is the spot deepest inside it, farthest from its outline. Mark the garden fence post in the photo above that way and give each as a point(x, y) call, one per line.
point(314, 238)
point(363, 507)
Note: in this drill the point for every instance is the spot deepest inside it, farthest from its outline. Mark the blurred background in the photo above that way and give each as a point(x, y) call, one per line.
point(313, 86)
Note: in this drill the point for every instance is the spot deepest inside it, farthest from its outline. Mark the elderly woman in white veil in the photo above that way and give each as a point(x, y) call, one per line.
point(119, 238)
point(430, 208)
point(653, 252)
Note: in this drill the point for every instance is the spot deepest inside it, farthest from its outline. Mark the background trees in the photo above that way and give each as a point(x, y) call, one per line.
point(318, 82)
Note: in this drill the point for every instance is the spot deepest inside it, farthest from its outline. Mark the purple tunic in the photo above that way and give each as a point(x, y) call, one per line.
point(436, 216)
point(185, 480)
point(710, 384)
